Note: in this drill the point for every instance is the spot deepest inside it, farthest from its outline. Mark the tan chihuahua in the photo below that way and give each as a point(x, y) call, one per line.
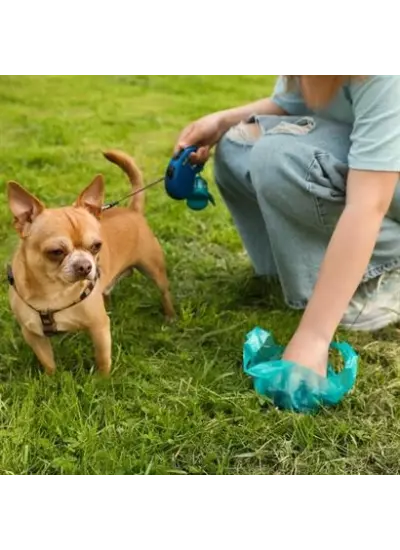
point(69, 259)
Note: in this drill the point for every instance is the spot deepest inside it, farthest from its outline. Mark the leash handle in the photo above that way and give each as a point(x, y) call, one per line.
point(183, 181)
point(180, 175)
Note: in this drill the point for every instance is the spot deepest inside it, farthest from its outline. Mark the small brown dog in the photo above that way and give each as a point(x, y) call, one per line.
point(69, 259)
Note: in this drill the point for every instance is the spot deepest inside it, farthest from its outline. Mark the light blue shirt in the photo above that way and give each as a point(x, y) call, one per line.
point(372, 106)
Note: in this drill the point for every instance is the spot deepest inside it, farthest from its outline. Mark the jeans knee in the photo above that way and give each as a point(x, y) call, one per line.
point(276, 163)
point(231, 162)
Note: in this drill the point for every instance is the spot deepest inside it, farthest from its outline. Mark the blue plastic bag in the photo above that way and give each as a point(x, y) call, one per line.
point(292, 386)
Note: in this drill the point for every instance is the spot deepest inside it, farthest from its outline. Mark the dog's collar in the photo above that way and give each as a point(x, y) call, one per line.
point(49, 324)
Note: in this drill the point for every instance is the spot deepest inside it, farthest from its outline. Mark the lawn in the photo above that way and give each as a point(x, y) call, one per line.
point(177, 401)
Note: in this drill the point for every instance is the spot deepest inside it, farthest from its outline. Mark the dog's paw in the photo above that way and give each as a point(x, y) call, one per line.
point(170, 318)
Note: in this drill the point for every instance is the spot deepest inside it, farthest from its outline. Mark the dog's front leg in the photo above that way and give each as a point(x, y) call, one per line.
point(101, 338)
point(42, 348)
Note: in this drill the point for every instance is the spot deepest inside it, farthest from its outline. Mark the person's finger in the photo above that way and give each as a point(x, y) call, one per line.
point(200, 156)
point(186, 139)
point(178, 146)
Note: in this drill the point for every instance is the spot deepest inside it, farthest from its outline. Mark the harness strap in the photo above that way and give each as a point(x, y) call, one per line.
point(49, 324)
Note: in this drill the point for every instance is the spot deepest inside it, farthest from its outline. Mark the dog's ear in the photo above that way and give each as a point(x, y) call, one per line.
point(92, 198)
point(24, 206)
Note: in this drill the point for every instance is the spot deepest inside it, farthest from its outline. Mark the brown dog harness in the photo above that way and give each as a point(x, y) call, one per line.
point(49, 324)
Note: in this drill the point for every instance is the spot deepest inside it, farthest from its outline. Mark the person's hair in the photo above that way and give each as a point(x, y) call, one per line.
point(318, 91)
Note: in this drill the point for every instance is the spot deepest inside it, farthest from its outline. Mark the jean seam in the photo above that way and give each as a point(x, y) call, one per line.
point(377, 271)
point(318, 203)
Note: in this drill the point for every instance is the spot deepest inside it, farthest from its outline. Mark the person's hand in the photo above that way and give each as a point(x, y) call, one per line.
point(309, 352)
point(203, 133)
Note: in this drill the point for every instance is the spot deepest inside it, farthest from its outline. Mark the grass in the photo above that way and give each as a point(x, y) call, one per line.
point(177, 401)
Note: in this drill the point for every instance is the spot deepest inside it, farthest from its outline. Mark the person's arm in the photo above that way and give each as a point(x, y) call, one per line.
point(267, 106)
point(369, 195)
point(374, 162)
point(208, 130)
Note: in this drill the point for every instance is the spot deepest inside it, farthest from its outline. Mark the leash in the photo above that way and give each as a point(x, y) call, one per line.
point(183, 181)
point(113, 204)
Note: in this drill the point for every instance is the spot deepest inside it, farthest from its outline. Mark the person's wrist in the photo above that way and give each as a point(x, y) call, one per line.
point(309, 350)
point(314, 334)
point(226, 120)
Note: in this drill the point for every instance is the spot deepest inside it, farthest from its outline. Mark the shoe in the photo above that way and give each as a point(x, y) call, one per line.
point(375, 305)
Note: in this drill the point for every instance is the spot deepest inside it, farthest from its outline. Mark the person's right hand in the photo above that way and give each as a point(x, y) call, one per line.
point(203, 133)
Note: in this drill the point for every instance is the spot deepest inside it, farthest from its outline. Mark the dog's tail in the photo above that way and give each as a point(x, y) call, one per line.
point(128, 165)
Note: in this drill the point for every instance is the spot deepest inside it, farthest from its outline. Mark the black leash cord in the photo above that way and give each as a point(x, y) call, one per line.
point(116, 203)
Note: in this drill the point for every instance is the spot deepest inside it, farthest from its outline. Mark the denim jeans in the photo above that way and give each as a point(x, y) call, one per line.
point(286, 190)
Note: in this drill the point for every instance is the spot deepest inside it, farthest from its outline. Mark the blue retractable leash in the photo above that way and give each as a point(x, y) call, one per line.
point(182, 180)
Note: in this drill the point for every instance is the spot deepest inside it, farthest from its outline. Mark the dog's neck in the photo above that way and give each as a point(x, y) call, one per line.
point(39, 290)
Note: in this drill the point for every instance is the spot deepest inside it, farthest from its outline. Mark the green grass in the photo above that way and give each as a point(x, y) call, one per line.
point(177, 401)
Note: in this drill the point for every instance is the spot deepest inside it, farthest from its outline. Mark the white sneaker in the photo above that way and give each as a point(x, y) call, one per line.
point(375, 305)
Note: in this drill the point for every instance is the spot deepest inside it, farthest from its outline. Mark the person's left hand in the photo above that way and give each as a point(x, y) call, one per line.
point(308, 351)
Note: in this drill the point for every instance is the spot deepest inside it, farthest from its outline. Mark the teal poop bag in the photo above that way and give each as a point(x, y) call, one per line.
point(291, 386)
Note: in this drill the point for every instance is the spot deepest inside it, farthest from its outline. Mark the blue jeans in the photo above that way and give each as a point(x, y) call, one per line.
point(286, 190)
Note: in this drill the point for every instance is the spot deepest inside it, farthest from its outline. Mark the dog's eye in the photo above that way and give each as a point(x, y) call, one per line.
point(95, 248)
point(56, 253)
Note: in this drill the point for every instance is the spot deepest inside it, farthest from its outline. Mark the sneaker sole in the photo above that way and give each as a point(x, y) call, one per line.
point(369, 325)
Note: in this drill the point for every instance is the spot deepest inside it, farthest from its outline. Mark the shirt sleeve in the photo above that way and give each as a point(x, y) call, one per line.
point(375, 139)
point(290, 101)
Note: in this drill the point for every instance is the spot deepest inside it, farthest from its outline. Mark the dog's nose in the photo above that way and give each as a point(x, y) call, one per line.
point(83, 268)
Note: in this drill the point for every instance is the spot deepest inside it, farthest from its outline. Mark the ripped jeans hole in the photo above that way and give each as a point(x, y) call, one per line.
point(300, 127)
point(245, 132)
